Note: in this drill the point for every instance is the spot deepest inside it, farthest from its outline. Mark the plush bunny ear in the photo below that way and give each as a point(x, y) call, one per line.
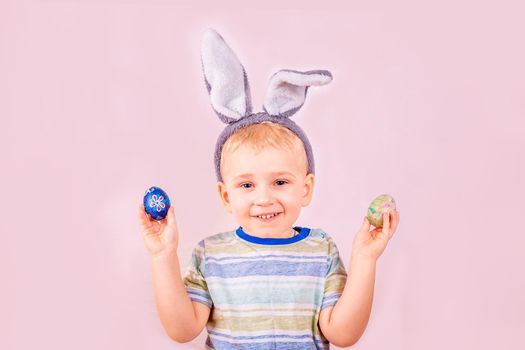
point(287, 90)
point(225, 78)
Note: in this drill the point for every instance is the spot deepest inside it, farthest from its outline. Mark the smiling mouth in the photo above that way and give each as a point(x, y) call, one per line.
point(267, 217)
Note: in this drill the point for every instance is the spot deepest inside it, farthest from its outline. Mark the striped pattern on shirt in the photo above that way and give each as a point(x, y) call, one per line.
point(265, 296)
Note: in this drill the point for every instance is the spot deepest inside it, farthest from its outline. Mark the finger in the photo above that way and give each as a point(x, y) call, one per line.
point(144, 221)
point(365, 226)
point(363, 233)
point(172, 221)
point(386, 222)
point(151, 226)
point(395, 221)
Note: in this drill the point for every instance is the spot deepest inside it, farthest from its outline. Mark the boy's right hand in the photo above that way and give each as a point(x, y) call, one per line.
point(160, 237)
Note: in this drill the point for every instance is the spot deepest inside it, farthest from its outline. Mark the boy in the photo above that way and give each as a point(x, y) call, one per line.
point(267, 284)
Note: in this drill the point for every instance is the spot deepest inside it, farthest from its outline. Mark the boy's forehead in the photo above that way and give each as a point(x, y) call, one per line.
point(245, 161)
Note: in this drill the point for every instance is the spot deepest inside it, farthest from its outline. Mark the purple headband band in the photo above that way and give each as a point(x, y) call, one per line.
point(229, 91)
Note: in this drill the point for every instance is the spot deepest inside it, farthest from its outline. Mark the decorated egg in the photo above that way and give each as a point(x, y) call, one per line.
point(375, 209)
point(156, 203)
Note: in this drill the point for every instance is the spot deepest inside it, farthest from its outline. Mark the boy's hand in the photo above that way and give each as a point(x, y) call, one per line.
point(160, 237)
point(371, 243)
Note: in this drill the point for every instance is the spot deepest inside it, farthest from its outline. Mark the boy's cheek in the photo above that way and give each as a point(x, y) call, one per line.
point(239, 202)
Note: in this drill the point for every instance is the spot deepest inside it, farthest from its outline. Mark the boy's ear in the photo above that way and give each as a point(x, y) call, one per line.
point(309, 182)
point(287, 90)
point(223, 193)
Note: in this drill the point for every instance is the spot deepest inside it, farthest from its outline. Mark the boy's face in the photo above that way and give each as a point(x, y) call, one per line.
point(271, 182)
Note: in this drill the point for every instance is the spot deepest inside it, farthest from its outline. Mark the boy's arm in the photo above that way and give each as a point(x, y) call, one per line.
point(344, 323)
point(182, 318)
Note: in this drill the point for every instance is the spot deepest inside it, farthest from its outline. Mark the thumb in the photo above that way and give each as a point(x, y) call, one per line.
point(364, 231)
point(366, 225)
point(172, 222)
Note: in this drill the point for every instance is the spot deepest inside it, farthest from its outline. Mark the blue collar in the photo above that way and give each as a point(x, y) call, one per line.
point(303, 233)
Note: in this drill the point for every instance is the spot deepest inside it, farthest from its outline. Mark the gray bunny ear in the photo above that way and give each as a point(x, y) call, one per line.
point(225, 78)
point(287, 90)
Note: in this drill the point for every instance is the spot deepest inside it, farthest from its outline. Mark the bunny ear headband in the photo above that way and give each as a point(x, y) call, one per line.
point(229, 91)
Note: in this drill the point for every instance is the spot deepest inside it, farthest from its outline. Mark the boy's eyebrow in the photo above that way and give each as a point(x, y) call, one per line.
point(247, 176)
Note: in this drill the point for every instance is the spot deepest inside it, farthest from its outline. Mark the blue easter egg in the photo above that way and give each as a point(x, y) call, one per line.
point(156, 203)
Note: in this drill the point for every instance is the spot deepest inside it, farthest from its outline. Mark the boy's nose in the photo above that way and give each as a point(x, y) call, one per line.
point(263, 201)
point(263, 196)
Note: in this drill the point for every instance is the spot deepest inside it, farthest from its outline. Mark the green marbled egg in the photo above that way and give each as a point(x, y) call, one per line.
point(375, 208)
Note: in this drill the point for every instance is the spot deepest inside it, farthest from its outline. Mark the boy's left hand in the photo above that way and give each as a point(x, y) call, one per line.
point(371, 243)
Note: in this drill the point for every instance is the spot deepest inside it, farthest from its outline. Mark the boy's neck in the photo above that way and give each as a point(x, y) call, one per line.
point(288, 234)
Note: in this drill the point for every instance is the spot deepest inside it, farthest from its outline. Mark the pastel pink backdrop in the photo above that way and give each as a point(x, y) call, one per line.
point(101, 99)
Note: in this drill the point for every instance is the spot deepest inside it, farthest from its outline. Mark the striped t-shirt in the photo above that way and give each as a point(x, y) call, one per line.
point(265, 293)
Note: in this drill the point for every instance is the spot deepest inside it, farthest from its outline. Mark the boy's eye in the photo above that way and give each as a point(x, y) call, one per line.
point(280, 182)
point(246, 185)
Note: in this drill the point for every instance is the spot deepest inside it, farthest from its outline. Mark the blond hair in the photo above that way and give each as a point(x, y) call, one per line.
point(262, 135)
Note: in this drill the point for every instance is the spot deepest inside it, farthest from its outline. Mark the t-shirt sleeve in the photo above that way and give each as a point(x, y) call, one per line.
point(194, 280)
point(335, 277)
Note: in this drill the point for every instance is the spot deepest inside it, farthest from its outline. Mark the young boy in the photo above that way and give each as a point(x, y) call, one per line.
point(267, 284)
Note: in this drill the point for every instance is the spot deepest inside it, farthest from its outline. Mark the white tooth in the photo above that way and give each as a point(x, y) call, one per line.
point(267, 216)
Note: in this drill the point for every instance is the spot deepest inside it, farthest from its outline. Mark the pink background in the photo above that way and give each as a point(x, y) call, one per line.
point(101, 99)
